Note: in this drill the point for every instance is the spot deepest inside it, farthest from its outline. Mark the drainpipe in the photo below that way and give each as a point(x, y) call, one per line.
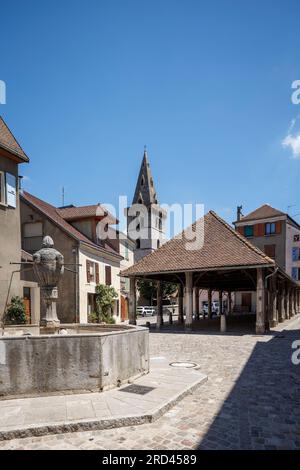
point(270, 275)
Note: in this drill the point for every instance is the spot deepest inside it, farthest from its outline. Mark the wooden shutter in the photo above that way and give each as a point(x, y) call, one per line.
point(240, 230)
point(108, 275)
point(270, 250)
point(88, 271)
point(97, 273)
point(260, 230)
point(278, 226)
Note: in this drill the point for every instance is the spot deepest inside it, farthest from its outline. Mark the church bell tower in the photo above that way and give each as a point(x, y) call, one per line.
point(148, 229)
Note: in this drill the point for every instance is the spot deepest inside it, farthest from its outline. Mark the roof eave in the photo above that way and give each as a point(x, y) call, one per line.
point(212, 268)
point(14, 155)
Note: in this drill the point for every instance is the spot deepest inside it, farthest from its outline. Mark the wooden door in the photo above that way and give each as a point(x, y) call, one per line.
point(246, 301)
point(124, 308)
point(27, 303)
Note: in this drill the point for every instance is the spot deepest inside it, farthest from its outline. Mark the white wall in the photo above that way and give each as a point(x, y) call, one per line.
point(85, 288)
point(291, 231)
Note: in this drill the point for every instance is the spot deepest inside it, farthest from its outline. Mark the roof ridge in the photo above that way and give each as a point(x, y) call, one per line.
point(73, 232)
point(243, 239)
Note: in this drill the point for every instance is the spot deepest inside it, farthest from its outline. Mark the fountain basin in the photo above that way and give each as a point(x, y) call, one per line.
point(88, 358)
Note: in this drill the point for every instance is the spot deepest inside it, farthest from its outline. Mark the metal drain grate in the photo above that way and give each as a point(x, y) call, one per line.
point(138, 389)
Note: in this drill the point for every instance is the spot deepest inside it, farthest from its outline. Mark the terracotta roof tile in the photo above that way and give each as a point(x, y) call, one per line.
point(54, 214)
point(263, 212)
point(222, 247)
point(83, 212)
point(9, 143)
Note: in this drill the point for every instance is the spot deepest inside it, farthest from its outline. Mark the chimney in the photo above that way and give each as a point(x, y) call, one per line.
point(239, 214)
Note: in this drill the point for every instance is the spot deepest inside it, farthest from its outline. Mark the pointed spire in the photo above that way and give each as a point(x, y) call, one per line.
point(145, 192)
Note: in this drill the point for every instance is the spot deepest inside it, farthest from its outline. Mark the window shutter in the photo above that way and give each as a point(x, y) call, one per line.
point(88, 271)
point(97, 273)
point(270, 250)
point(11, 190)
point(261, 230)
point(278, 227)
point(108, 275)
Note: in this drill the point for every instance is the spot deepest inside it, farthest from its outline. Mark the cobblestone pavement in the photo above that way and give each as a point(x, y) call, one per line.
point(250, 401)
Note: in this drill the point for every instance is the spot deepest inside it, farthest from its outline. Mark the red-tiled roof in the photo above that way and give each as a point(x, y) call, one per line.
point(9, 143)
point(263, 212)
point(54, 215)
point(222, 247)
point(84, 212)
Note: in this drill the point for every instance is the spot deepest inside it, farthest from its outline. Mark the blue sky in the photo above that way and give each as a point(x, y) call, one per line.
point(206, 85)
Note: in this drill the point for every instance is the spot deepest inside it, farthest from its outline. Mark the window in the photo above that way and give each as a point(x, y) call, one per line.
point(158, 243)
point(295, 254)
point(108, 275)
point(270, 250)
point(138, 244)
point(92, 272)
point(32, 236)
point(2, 188)
point(248, 230)
point(270, 228)
point(296, 274)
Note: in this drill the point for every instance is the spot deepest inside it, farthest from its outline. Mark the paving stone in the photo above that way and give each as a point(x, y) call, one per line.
point(251, 399)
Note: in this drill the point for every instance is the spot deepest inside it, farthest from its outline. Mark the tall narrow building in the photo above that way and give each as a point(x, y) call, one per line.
point(147, 225)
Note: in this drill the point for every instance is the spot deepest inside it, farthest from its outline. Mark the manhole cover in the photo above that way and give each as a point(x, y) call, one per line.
point(185, 365)
point(138, 389)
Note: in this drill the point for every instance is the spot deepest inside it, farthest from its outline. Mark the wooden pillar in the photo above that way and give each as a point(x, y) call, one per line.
point(283, 303)
point(290, 302)
point(222, 313)
point(180, 304)
point(280, 300)
point(294, 301)
point(159, 317)
point(209, 303)
point(132, 302)
point(298, 301)
point(273, 303)
point(287, 303)
point(260, 327)
point(189, 299)
point(229, 303)
point(197, 309)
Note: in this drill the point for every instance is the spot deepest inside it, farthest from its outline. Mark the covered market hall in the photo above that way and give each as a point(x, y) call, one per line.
point(219, 260)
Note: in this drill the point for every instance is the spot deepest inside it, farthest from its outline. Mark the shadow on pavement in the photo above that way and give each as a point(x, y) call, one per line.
point(263, 409)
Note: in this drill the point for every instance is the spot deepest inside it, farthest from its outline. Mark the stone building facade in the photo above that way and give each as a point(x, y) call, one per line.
point(12, 277)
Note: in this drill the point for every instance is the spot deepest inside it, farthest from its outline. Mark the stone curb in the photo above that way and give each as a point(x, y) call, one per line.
point(107, 423)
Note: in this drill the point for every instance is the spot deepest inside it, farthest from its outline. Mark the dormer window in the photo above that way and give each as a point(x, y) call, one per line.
point(142, 181)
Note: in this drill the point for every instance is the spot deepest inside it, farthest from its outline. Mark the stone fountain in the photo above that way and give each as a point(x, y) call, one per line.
point(48, 265)
point(90, 357)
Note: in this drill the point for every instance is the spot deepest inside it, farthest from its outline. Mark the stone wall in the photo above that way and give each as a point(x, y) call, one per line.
point(32, 365)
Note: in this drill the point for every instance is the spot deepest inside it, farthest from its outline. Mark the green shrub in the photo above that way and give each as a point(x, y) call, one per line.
point(93, 317)
point(15, 313)
point(105, 300)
